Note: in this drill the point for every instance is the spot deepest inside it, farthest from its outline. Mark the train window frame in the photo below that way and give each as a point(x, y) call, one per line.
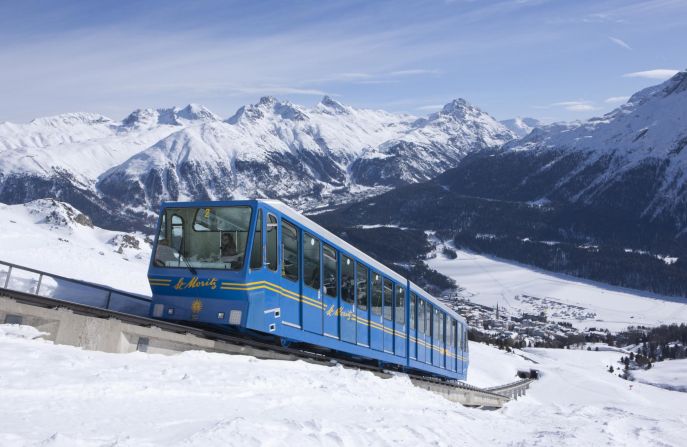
point(257, 230)
point(284, 275)
point(316, 270)
point(326, 246)
point(399, 304)
point(350, 262)
point(390, 305)
point(413, 311)
point(359, 265)
point(272, 228)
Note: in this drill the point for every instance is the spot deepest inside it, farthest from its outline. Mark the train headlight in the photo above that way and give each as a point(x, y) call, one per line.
point(220, 315)
point(235, 317)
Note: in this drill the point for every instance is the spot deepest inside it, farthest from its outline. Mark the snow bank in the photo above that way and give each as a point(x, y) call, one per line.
point(670, 374)
point(63, 396)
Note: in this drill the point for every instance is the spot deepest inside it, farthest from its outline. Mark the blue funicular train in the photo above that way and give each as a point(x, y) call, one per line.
point(259, 265)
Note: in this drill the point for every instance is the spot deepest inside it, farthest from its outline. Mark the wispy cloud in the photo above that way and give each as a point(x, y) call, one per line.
point(414, 72)
point(658, 73)
point(576, 106)
point(430, 107)
point(620, 42)
point(616, 99)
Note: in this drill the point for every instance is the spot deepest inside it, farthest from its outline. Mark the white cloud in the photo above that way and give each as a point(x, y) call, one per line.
point(620, 42)
point(616, 99)
point(658, 73)
point(430, 107)
point(576, 106)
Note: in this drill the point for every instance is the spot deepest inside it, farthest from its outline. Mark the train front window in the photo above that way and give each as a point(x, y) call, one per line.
point(208, 238)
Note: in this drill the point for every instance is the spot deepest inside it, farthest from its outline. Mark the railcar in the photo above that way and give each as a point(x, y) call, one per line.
point(259, 266)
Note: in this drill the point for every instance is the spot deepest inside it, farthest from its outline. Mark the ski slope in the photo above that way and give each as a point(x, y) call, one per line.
point(520, 288)
point(61, 396)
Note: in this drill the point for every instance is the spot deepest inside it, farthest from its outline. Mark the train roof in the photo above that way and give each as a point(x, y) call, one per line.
point(299, 218)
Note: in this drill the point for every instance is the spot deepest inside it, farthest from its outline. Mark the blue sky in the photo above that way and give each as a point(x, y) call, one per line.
point(553, 60)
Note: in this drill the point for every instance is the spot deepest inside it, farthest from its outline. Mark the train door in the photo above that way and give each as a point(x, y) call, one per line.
point(388, 313)
point(347, 305)
point(362, 298)
point(271, 267)
point(311, 287)
point(454, 346)
point(376, 305)
point(412, 331)
point(290, 275)
point(459, 346)
point(435, 337)
point(330, 289)
point(422, 330)
point(400, 321)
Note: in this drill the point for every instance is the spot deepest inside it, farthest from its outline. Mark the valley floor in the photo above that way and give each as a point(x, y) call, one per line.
point(64, 396)
point(520, 288)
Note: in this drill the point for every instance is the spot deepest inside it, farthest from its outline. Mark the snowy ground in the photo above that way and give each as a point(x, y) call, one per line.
point(583, 303)
point(62, 396)
point(669, 374)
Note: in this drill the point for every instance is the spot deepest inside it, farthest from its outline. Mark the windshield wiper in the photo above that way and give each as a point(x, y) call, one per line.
point(182, 250)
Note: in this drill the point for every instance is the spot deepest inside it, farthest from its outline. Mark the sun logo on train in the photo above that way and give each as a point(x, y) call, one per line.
point(196, 306)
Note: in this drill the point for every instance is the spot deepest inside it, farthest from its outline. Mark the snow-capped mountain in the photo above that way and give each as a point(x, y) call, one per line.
point(306, 156)
point(631, 160)
point(521, 126)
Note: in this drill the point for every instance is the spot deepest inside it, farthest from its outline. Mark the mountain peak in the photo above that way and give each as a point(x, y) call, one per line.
point(328, 104)
point(458, 108)
point(196, 112)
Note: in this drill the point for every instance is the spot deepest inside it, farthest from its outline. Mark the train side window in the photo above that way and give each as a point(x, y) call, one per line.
point(465, 339)
point(330, 282)
point(459, 339)
point(400, 305)
point(435, 327)
point(388, 299)
point(272, 243)
point(442, 328)
point(421, 316)
point(453, 334)
point(311, 261)
point(256, 251)
point(376, 293)
point(362, 287)
point(413, 309)
point(289, 249)
point(347, 279)
point(428, 319)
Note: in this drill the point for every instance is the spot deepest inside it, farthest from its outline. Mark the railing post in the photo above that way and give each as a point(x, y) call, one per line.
point(38, 286)
point(7, 280)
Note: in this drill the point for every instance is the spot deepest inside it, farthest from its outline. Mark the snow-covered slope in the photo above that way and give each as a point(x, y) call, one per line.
point(273, 148)
point(584, 304)
point(521, 126)
point(62, 396)
point(632, 158)
point(57, 238)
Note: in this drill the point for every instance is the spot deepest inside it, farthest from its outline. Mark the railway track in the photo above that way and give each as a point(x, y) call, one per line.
point(153, 335)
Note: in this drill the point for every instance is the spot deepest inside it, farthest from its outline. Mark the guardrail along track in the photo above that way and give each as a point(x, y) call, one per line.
point(110, 330)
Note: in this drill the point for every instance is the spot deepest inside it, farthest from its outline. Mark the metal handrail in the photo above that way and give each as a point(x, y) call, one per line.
point(41, 273)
